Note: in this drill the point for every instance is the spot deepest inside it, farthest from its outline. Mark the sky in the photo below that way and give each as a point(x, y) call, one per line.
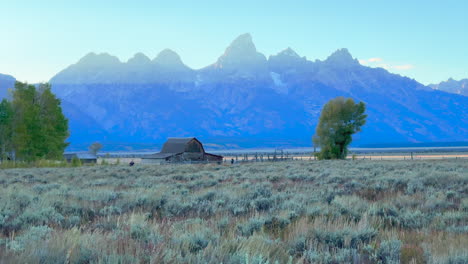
point(425, 40)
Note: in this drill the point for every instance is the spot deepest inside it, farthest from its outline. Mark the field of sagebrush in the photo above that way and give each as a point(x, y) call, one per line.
point(282, 212)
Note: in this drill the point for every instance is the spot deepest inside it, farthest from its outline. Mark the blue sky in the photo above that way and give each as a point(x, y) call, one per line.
point(424, 40)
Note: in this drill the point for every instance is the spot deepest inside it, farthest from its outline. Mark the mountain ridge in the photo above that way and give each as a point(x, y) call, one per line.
point(247, 99)
point(452, 86)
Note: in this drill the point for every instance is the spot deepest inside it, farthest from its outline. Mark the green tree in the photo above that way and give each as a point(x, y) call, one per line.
point(339, 120)
point(6, 118)
point(39, 126)
point(26, 124)
point(54, 124)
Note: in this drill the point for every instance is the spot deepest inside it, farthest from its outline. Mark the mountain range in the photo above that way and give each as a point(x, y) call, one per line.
point(245, 99)
point(452, 86)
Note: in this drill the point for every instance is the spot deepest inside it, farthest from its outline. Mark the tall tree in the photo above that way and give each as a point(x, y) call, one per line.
point(339, 120)
point(54, 124)
point(39, 126)
point(26, 123)
point(6, 118)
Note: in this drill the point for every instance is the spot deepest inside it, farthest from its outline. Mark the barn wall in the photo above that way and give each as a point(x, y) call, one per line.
point(213, 158)
point(187, 156)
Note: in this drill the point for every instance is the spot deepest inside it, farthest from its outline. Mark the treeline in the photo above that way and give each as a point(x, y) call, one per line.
point(32, 125)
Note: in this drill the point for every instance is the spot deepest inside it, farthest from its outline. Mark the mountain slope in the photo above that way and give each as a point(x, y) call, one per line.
point(452, 86)
point(246, 98)
point(6, 82)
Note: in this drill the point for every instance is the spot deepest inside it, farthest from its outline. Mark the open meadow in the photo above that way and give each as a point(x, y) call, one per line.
point(349, 211)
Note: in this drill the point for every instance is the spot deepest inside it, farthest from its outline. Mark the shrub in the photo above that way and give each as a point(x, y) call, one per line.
point(76, 162)
point(388, 213)
point(389, 251)
point(197, 242)
point(37, 215)
point(464, 205)
point(42, 188)
point(72, 221)
point(110, 210)
point(33, 235)
point(262, 191)
point(157, 214)
point(414, 219)
point(253, 225)
point(414, 186)
point(298, 246)
point(275, 224)
point(141, 231)
point(362, 237)
point(333, 239)
point(352, 206)
point(223, 224)
point(263, 204)
point(342, 255)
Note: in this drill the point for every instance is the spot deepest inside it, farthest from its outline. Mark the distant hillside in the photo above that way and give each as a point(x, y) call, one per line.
point(452, 86)
point(6, 82)
point(246, 99)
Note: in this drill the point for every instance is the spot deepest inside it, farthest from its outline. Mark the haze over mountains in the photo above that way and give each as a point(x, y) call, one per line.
point(245, 99)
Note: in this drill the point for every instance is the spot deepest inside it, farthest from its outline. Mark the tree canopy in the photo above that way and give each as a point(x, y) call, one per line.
point(95, 148)
point(32, 125)
point(339, 120)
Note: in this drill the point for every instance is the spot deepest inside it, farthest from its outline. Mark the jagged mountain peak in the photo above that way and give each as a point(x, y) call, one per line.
point(242, 46)
point(242, 55)
point(139, 59)
point(244, 95)
point(342, 57)
point(242, 43)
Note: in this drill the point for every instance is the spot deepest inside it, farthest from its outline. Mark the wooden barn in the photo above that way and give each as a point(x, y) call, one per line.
point(180, 150)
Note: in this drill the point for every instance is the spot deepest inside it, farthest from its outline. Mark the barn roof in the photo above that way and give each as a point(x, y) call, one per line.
point(176, 145)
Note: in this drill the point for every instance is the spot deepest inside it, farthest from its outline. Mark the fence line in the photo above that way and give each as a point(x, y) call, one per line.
point(280, 156)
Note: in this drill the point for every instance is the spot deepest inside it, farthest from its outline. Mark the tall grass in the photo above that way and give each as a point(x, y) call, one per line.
point(7, 164)
point(284, 212)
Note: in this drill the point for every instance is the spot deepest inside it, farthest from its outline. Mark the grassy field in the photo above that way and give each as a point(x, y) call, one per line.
point(283, 212)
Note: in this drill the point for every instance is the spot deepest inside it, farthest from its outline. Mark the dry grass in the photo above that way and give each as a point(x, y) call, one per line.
point(288, 212)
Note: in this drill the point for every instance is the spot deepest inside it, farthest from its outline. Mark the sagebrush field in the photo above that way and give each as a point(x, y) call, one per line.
point(281, 212)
